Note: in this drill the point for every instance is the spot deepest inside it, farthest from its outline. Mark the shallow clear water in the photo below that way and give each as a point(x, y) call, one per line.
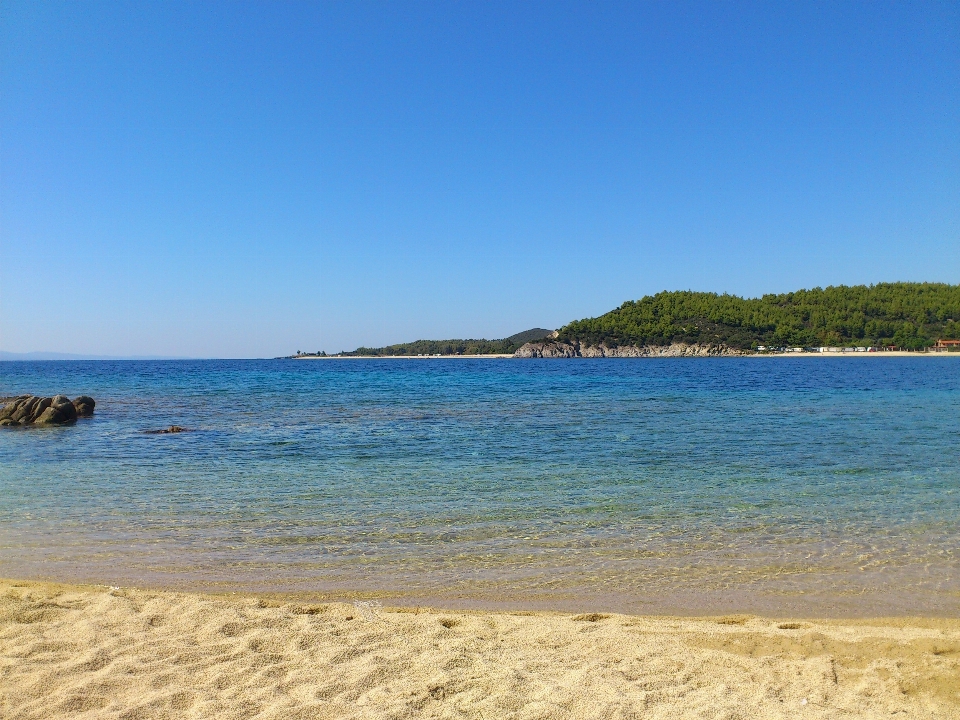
point(816, 486)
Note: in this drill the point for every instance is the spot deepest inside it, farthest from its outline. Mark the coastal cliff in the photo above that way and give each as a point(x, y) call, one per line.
point(573, 349)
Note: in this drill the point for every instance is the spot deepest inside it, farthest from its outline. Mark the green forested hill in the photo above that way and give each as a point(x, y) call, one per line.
point(506, 346)
point(911, 315)
point(442, 347)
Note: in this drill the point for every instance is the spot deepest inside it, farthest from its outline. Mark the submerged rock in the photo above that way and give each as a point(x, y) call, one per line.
point(36, 410)
point(166, 431)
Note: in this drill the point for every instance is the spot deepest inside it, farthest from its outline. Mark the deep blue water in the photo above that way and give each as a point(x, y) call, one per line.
point(808, 485)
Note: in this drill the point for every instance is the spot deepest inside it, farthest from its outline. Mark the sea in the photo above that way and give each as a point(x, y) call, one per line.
point(815, 487)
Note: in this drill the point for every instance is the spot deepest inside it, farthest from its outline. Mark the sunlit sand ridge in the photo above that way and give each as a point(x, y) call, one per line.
point(96, 652)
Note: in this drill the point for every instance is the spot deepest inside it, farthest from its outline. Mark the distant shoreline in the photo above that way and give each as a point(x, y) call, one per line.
point(885, 353)
point(397, 357)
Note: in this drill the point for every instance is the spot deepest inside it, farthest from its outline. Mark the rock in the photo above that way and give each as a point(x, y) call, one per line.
point(166, 431)
point(573, 349)
point(38, 410)
point(84, 405)
point(24, 414)
point(57, 413)
point(12, 406)
point(547, 349)
point(35, 410)
point(47, 417)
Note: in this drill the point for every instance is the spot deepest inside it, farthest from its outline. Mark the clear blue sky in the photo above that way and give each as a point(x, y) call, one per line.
point(249, 179)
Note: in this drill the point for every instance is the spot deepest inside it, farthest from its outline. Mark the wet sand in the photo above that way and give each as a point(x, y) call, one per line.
point(72, 651)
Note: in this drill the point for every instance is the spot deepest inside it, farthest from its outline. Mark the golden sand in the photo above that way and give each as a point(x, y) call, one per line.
point(69, 651)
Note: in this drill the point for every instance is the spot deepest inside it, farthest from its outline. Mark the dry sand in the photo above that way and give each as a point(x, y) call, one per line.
point(95, 652)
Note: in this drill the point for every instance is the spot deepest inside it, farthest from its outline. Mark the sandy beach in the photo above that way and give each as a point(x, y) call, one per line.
point(70, 651)
point(885, 353)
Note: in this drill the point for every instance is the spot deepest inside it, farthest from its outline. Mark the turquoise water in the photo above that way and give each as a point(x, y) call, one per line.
point(802, 485)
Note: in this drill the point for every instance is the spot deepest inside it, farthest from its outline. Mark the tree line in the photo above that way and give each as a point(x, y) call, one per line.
point(908, 315)
point(442, 347)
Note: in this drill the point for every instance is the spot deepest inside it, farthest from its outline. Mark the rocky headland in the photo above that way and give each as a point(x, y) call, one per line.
point(36, 410)
point(573, 349)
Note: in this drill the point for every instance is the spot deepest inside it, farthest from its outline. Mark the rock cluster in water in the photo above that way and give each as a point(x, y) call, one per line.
point(562, 349)
point(173, 429)
point(35, 410)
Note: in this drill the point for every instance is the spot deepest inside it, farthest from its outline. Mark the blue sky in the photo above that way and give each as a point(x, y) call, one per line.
point(250, 179)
